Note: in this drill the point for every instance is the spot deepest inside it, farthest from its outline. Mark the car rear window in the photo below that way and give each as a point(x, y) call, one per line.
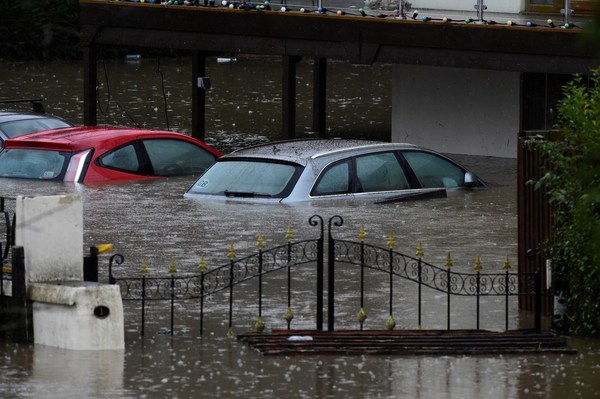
point(33, 164)
point(247, 178)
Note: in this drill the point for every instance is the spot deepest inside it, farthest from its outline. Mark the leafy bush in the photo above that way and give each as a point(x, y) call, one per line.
point(573, 183)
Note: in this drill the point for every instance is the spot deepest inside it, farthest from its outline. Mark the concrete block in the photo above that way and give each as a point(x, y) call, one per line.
point(50, 229)
point(78, 315)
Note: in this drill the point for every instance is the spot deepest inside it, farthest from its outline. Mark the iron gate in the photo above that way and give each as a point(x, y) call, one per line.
point(174, 286)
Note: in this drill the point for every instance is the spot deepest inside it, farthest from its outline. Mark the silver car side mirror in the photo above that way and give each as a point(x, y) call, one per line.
point(471, 180)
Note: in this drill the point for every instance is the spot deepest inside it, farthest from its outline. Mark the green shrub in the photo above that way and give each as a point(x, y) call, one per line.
point(573, 183)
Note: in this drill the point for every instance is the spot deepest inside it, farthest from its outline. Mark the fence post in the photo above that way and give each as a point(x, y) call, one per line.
point(10, 230)
point(202, 267)
point(289, 315)
point(477, 269)
point(260, 322)
point(506, 268)
point(420, 255)
point(90, 265)
point(336, 221)
point(144, 271)
point(449, 265)
point(143, 303)
point(231, 255)
point(317, 220)
point(20, 307)
point(330, 281)
point(538, 300)
point(362, 315)
point(391, 323)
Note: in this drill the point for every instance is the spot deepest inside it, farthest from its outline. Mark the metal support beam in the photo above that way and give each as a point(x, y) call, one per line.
point(288, 96)
point(198, 95)
point(89, 85)
point(320, 96)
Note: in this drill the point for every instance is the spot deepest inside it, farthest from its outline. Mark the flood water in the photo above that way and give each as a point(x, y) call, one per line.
point(152, 221)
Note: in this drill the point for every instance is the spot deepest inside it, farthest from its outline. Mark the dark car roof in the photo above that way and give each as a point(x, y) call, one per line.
point(8, 116)
point(82, 137)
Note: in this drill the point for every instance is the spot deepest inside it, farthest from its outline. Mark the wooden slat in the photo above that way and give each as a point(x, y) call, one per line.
point(431, 342)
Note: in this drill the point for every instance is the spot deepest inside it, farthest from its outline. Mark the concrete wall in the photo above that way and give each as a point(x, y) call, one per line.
point(457, 111)
point(502, 6)
point(51, 231)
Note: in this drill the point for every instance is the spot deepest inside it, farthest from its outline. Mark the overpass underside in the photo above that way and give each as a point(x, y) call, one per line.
point(543, 55)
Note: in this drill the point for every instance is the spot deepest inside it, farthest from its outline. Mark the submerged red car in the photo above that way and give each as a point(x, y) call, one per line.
point(102, 154)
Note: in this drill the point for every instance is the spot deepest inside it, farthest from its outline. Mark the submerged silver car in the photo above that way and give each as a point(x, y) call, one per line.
point(319, 169)
point(13, 124)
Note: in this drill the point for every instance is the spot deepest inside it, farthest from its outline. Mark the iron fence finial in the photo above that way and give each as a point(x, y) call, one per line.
point(144, 268)
point(361, 233)
point(202, 264)
point(289, 315)
point(449, 263)
point(477, 266)
point(172, 267)
point(289, 235)
point(361, 316)
point(260, 243)
point(420, 253)
point(391, 241)
point(260, 324)
point(506, 264)
point(231, 254)
point(390, 323)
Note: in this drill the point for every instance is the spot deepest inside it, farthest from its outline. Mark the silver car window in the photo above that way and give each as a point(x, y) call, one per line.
point(334, 180)
point(380, 172)
point(433, 171)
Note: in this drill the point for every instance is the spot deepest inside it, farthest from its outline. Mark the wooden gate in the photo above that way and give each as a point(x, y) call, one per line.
point(534, 216)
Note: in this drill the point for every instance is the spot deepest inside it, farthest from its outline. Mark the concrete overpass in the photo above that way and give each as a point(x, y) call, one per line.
point(523, 66)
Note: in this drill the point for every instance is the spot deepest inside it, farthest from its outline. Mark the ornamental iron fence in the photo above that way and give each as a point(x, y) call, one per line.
point(175, 286)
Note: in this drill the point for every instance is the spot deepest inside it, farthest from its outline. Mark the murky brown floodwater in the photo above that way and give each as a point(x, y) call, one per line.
point(153, 221)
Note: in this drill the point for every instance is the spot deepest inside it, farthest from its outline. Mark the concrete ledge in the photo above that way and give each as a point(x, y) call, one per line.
point(58, 292)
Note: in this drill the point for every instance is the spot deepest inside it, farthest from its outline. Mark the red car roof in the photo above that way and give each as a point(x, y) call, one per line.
point(83, 137)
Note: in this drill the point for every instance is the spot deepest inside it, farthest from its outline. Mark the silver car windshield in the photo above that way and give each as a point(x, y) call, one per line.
point(247, 178)
point(33, 164)
point(24, 126)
